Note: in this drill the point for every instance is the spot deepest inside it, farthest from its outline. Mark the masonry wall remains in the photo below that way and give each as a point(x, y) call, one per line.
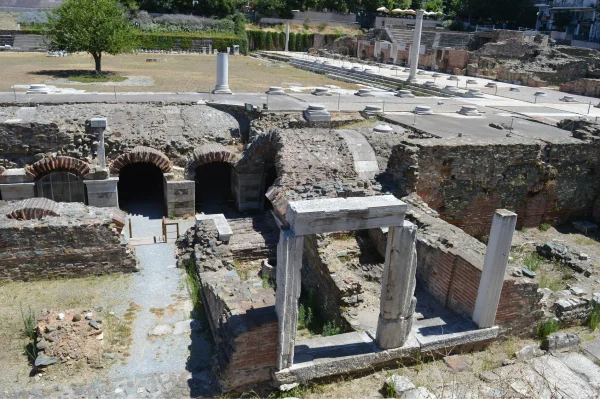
point(62, 246)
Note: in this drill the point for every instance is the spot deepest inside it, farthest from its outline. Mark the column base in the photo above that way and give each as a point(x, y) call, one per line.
point(222, 90)
point(393, 333)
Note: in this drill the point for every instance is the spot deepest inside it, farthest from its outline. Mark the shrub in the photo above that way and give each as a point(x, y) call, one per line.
point(304, 42)
point(594, 316)
point(282, 41)
point(262, 36)
point(30, 332)
point(546, 328)
point(306, 23)
point(544, 227)
point(533, 261)
point(292, 43)
point(269, 41)
point(305, 316)
point(185, 43)
point(321, 27)
point(330, 328)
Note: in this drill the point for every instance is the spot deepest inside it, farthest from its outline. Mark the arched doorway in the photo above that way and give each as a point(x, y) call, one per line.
point(269, 179)
point(213, 187)
point(141, 189)
point(60, 186)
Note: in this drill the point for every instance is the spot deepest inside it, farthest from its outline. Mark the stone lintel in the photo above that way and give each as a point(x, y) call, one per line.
point(345, 214)
point(99, 122)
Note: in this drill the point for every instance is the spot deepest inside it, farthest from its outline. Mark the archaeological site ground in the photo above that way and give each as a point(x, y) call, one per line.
point(405, 213)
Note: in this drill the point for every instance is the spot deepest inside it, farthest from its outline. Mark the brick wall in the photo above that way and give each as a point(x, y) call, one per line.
point(244, 329)
point(449, 265)
point(542, 182)
point(57, 248)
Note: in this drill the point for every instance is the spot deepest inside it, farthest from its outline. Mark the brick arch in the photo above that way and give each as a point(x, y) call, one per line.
point(49, 164)
point(261, 150)
point(209, 153)
point(142, 154)
point(32, 209)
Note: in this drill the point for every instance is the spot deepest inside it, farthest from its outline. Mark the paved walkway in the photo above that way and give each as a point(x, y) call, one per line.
point(170, 352)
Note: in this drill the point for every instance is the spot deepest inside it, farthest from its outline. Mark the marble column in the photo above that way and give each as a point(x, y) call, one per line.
point(222, 86)
point(98, 126)
point(398, 287)
point(287, 35)
point(415, 47)
point(494, 268)
point(289, 262)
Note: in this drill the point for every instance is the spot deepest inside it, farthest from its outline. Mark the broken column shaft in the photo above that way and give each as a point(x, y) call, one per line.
point(398, 287)
point(98, 126)
point(494, 268)
point(287, 36)
point(415, 47)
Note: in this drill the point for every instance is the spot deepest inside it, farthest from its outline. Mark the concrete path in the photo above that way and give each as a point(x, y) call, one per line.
point(365, 161)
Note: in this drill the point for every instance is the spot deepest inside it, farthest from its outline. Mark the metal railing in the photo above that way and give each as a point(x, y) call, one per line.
point(165, 225)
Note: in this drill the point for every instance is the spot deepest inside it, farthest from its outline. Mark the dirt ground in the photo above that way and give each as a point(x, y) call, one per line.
point(180, 73)
point(551, 274)
point(18, 299)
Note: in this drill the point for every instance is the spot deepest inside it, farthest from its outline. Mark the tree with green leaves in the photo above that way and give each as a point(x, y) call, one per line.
point(96, 27)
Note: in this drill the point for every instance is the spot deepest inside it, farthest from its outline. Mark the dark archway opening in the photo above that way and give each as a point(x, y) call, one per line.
point(269, 179)
point(141, 190)
point(213, 188)
point(60, 186)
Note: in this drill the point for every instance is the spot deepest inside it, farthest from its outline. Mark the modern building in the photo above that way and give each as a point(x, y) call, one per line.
point(571, 22)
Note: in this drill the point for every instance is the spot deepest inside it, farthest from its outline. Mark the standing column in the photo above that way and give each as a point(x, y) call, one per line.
point(415, 47)
point(287, 35)
point(289, 262)
point(98, 126)
point(398, 287)
point(434, 66)
point(222, 86)
point(494, 268)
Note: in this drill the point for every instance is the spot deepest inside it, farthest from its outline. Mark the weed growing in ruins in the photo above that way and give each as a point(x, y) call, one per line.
point(544, 227)
point(594, 317)
point(30, 332)
point(305, 316)
point(390, 390)
point(330, 328)
point(581, 240)
point(548, 281)
point(533, 261)
point(546, 328)
point(266, 282)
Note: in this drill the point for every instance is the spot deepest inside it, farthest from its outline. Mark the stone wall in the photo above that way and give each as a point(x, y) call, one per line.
point(583, 87)
point(176, 130)
point(241, 313)
point(324, 288)
point(543, 182)
point(449, 265)
point(63, 246)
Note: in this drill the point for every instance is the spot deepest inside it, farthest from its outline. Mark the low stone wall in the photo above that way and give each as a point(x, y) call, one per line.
point(241, 313)
point(63, 246)
point(449, 265)
point(583, 87)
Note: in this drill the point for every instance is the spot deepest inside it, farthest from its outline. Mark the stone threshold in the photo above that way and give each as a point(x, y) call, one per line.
point(357, 351)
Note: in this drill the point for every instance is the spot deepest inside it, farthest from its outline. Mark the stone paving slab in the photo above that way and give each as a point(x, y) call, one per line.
point(562, 379)
point(582, 366)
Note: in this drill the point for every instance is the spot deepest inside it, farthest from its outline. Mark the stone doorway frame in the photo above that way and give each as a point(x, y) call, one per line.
point(347, 214)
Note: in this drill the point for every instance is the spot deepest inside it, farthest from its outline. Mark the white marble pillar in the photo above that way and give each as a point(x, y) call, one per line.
point(415, 47)
point(222, 86)
point(494, 268)
point(98, 126)
point(398, 287)
point(287, 35)
point(289, 262)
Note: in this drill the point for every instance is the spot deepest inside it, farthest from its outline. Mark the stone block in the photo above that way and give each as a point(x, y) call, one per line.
point(102, 193)
point(560, 340)
point(225, 232)
point(317, 113)
point(99, 122)
point(399, 383)
point(345, 214)
point(529, 352)
point(457, 363)
point(14, 176)
point(17, 191)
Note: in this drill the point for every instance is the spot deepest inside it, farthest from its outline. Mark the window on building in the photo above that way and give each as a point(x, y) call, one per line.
point(61, 187)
